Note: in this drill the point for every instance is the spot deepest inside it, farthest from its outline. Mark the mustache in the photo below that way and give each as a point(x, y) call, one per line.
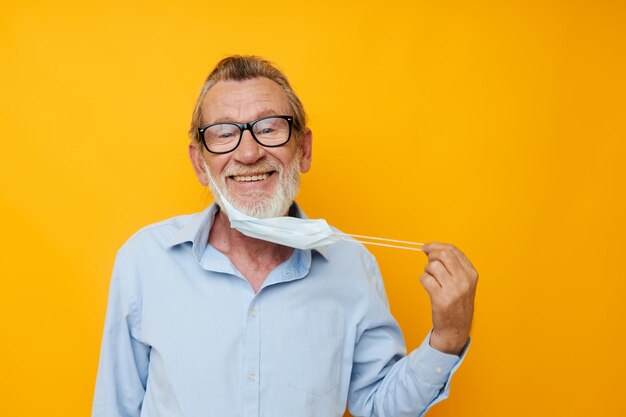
point(235, 169)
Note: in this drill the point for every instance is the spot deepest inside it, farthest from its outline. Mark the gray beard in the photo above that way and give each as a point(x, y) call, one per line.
point(257, 204)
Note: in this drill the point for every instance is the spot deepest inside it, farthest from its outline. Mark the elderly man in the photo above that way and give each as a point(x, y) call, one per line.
point(204, 320)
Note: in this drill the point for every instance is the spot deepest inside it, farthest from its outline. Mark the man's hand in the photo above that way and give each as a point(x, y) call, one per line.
point(450, 280)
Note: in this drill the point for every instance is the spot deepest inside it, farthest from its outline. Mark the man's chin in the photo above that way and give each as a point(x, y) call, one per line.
point(262, 209)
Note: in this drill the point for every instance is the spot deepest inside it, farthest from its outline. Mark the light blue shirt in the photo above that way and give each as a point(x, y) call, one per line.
point(186, 335)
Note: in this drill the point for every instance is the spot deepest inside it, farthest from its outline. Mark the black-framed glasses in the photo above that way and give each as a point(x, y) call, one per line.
point(224, 137)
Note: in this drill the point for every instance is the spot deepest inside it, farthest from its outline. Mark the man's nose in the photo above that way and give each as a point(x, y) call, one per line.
point(249, 150)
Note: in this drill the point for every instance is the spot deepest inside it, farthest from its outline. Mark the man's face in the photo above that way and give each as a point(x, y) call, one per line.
point(260, 182)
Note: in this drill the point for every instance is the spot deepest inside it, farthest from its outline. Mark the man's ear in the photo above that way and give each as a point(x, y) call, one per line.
point(197, 161)
point(306, 144)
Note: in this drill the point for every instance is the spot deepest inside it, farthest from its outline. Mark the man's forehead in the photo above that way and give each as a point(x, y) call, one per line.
point(244, 100)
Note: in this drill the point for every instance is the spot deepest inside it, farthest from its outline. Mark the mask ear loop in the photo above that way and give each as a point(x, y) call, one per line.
point(403, 244)
point(211, 182)
point(206, 171)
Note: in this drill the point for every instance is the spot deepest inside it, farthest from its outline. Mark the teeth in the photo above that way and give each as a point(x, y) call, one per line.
point(242, 178)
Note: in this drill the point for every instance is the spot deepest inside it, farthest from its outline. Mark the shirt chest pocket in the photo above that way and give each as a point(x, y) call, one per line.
point(315, 345)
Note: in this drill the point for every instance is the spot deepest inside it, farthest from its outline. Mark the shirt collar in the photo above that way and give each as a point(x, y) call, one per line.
point(197, 230)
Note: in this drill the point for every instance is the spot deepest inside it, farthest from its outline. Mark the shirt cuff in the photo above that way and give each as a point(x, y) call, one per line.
point(433, 366)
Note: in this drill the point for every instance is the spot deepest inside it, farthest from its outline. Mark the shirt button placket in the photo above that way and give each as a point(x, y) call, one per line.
point(252, 343)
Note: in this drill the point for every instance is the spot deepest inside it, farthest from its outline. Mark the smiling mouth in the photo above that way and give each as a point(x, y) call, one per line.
point(251, 178)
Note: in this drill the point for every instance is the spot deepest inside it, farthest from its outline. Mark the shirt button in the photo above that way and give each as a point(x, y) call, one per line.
point(439, 370)
point(251, 377)
point(253, 313)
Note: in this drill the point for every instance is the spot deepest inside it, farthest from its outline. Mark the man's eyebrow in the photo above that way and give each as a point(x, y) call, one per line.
point(259, 115)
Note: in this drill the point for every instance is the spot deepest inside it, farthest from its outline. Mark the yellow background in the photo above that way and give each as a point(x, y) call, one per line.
point(498, 126)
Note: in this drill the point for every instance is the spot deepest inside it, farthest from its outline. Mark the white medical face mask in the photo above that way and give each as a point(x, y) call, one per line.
point(287, 231)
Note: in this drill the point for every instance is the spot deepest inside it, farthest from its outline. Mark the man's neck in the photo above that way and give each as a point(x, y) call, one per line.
point(254, 258)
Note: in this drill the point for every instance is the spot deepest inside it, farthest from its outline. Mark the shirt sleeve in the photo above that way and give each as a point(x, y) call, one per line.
point(123, 367)
point(385, 381)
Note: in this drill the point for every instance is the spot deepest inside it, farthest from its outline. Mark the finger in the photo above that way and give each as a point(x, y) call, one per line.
point(430, 246)
point(430, 283)
point(448, 258)
point(463, 261)
point(437, 270)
